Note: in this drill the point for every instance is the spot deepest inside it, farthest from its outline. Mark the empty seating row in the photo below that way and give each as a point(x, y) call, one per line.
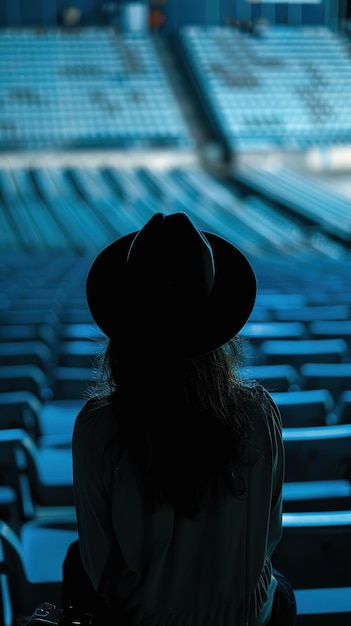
point(312, 200)
point(285, 377)
point(82, 209)
point(70, 379)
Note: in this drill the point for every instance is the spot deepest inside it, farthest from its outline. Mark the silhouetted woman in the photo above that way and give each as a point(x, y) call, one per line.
point(178, 460)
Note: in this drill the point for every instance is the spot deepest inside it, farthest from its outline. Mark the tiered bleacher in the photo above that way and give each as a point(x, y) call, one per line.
point(316, 204)
point(279, 87)
point(84, 208)
point(84, 88)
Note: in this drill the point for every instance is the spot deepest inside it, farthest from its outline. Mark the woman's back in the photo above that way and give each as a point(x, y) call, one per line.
point(181, 569)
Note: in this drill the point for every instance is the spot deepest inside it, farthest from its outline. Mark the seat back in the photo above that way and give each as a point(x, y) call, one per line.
point(77, 353)
point(314, 551)
point(27, 353)
point(304, 351)
point(28, 332)
point(258, 332)
point(343, 407)
point(20, 596)
point(25, 378)
point(328, 329)
point(40, 477)
point(18, 468)
point(276, 377)
point(305, 407)
point(11, 563)
point(318, 468)
point(308, 313)
point(333, 376)
point(20, 409)
point(318, 453)
point(71, 383)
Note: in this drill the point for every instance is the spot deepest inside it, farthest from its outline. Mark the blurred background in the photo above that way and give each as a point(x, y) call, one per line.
point(237, 112)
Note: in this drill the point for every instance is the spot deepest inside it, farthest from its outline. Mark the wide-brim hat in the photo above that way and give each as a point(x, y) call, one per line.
point(171, 285)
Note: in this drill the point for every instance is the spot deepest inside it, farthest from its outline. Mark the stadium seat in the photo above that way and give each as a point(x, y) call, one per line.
point(311, 313)
point(76, 313)
point(258, 332)
point(28, 332)
point(343, 406)
point(314, 556)
point(27, 353)
point(41, 478)
point(82, 331)
point(25, 378)
point(9, 504)
point(318, 468)
point(70, 383)
point(20, 409)
point(318, 452)
point(31, 566)
point(48, 423)
point(77, 353)
point(277, 377)
point(279, 299)
point(310, 407)
point(333, 376)
point(304, 351)
point(57, 419)
point(29, 317)
point(331, 329)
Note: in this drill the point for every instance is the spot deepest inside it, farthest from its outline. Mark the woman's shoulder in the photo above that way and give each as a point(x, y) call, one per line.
point(96, 421)
point(94, 408)
point(265, 421)
point(263, 403)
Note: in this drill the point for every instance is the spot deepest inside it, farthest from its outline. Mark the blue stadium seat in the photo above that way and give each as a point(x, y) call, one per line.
point(343, 407)
point(306, 407)
point(313, 554)
point(41, 478)
point(29, 378)
point(258, 332)
point(277, 377)
point(304, 351)
point(50, 424)
point(31, 566)
point(333, 376)
point(331, 329)
point(70, 383)
point(318, 468)
point(77, 353)
point(20, 409)
point(27, 353)
point(28, 332)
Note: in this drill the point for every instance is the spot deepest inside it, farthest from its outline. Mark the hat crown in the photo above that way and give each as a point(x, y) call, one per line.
point(171, 260)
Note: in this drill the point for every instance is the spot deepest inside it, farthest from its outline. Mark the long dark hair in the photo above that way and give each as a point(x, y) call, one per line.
point(185, 422)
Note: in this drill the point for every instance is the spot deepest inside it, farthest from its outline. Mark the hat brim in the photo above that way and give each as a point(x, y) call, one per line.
point(220, 318)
